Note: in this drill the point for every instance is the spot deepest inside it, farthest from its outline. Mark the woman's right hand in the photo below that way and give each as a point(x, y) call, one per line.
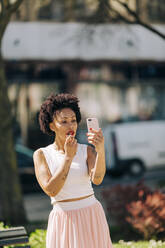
point(70, 146)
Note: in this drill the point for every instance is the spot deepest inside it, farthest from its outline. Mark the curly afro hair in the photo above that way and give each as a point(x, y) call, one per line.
point(54, 103)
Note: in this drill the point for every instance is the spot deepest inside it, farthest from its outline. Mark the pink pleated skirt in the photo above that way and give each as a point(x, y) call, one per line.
point(78, 224)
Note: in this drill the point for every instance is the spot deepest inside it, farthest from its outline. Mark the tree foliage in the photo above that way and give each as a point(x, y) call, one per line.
point(91, 11)
point(121, 11)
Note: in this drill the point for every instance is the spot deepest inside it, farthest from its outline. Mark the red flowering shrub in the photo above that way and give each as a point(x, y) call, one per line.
point(148, 216)
point(118, 197)
point(138, 206)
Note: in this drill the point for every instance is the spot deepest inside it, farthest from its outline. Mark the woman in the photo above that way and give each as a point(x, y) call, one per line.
point(64, 170)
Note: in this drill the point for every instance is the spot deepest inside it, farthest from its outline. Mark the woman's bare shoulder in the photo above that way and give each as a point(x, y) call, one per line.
point(38, 153)
point(39, 157)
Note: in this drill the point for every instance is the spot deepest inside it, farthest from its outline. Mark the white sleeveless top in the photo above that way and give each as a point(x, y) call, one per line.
point(77, 183)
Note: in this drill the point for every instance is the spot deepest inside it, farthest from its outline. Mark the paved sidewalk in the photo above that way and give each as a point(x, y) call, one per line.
point(37, 206)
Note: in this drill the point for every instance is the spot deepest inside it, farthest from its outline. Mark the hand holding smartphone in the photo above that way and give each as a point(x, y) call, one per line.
point(95, 136)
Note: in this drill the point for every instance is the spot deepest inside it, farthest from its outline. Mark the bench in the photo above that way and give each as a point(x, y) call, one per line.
point(14, 236)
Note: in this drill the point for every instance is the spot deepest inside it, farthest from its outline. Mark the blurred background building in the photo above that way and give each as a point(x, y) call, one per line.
point(116, 69)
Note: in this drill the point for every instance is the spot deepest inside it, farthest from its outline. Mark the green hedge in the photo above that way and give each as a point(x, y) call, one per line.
point(38, 239)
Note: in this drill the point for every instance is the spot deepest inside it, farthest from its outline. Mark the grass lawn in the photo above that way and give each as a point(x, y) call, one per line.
point(140, 244)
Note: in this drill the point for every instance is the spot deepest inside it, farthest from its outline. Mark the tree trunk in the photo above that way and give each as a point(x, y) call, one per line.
point(11, 201)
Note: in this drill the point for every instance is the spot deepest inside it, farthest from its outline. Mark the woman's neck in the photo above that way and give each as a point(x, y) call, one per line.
point(59, 144)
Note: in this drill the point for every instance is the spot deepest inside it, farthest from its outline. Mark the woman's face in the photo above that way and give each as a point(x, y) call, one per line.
point(64, 123)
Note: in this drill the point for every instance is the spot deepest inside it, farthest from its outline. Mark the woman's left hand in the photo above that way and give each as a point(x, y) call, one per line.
point(96, 138)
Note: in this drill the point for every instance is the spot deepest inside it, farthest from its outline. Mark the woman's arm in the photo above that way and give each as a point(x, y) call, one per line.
point(53, 184)
point(96, 157)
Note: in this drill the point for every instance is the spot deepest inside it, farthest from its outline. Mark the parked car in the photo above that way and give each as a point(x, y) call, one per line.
point(26, 168)
point(135, 147)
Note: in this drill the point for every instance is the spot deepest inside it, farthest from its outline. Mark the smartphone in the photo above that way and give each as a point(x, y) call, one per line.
point(92, 123)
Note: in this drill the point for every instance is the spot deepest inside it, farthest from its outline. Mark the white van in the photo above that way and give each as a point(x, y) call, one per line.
point(133, 147)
